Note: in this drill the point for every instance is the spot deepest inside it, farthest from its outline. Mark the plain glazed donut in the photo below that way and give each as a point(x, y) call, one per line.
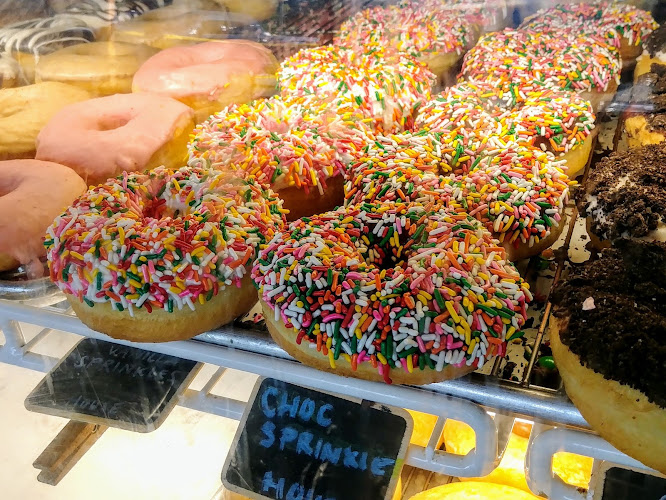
point(474, 490)
point(554, 120)
point(435, 36)
point(560, 59)
point(32, 194)
point(24, 111)
point(162, 256)
point(390, 292)
point(387, 91)
point(514, 190)
point(103, 137)
point(623, 26)
point(607, 337)
point(300, 151)
point(101, 68)
point(249, 11)
point(209, 76)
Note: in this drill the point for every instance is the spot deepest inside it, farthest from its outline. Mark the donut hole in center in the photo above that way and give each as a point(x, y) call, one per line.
point(112, 122)
point(382, 255)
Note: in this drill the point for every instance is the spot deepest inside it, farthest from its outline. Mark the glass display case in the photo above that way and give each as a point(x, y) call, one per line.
point(312, 249)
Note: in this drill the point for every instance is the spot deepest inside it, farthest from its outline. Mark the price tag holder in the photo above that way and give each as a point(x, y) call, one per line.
point(100, 382)
point(295, 443)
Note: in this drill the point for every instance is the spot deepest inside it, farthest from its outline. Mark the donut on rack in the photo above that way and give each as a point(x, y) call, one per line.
point(625, 196)
point(397, 292)
point(624, 26)
point(32, 194)
point(162, 256)
point(386, 90)
point(435, 36)
point(514, 190)
point(554, 120)
point(101, 138)
point(608, 336)
point(586, 64)
point(301, 151)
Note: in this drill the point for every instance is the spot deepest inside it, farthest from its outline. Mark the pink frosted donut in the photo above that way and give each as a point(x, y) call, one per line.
point(101, 138)
point(32, 194)
point(210, 76)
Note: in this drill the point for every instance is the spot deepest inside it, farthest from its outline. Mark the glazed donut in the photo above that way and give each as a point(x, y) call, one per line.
point(514, 190)
point(9, 72)
point(24, 111)
point(584, 64)
point(555, 120)
point(654, 51)
point(209, 76)
point(395, 292)
point(474, 490)
point(103, 137)
point(300, 151)
point(101, 68)
point(161, 256)
point(573, 469)
point(607, 337)
point(32, 194)
point(624, 26)
point(625, 196)
point(249, 11)
point(387, 91)
point(172, 27)
point(436, 37)
point(29, 40)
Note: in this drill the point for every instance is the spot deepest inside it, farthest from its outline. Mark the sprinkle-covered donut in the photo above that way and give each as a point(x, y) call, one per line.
point(515, 190)
point(552, 58)
point(623, 26)
point(392, 292)
point(388, 92)
point(300, 150)
point(164, 255)
point(436, 37)
point(555, 120)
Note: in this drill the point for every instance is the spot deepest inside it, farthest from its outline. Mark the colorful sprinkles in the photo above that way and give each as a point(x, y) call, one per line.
point(166, 239)
point(398, 286)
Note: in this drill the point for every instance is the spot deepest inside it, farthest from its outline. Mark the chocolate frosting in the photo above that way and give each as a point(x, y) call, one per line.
point(648, 97)
point(656, 42)
point(616, 311)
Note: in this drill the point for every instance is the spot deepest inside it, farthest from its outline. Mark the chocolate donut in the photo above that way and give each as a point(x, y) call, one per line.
point(608, 336)
point(625, 196)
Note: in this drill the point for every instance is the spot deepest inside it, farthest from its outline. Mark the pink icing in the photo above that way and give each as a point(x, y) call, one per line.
point(203, 69)
point(32, 194)
point(103, 137)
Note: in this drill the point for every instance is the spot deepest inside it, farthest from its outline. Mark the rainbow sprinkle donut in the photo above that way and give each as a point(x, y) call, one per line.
point(163, 255)
point(515, 190)
point(300, 150)
point(436, 37)
point(556, 59)
point(394, 292)
point(623, 26)
point(554, 120)
point(386, 91)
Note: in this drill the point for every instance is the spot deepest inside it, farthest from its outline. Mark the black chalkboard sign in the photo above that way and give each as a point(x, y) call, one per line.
point(115, 385)
point(620, 484)
point(299, 444)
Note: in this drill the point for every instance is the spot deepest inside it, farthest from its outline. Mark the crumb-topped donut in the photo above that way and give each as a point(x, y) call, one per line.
point(624, 26)
point(625, 195)
point(654, 51)
point(436, 37)
point(387, 91)
point(645, 117)
point(32, 194)
point(560, 59)
point(392, 292)
point(164, 255)
point(608, 336)
point(554, 120)
point(515, 190)
point(301, 151)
